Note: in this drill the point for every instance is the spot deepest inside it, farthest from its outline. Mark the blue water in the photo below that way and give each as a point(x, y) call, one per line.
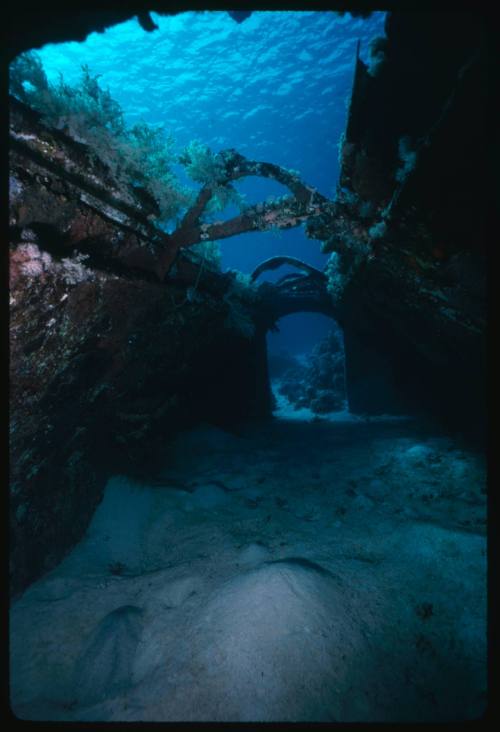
point(274, 87)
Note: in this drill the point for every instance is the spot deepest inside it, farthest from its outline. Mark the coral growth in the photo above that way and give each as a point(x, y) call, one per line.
point(407, 156)
point(319, 384)
point(209, 169)
point(142, 154)
point(336, 279)
point(141, 157)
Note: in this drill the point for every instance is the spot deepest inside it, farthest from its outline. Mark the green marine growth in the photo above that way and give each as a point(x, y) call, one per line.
point(207, 168)
point(139, 155)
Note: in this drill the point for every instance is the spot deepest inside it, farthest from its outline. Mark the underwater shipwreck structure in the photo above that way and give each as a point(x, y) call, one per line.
point(119, 333)
point(122, 334)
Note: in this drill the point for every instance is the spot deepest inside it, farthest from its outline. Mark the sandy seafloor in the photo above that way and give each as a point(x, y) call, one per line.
point(299, 569)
